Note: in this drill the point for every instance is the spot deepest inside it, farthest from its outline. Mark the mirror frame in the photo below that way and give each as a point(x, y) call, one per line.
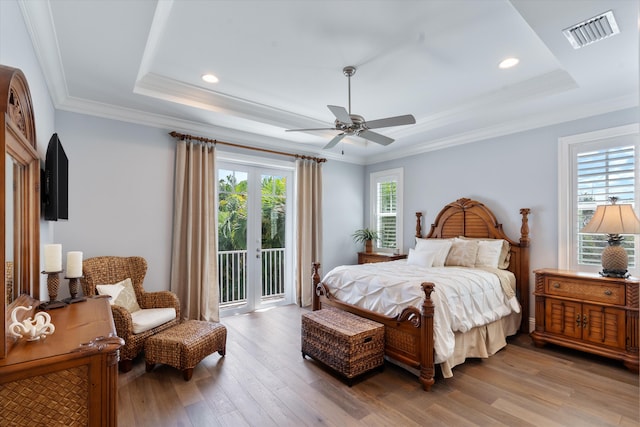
point(18, 140)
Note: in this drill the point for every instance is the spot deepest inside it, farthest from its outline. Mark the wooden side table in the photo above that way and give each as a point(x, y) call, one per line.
point(369, 257)
point(587, 312)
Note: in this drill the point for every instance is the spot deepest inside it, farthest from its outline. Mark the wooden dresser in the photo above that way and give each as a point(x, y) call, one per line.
point(369, 257)
point(69, 378)
point(587, 312)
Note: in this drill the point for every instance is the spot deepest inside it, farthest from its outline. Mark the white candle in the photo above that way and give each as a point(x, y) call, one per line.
point(52, 258)
point(74, 264)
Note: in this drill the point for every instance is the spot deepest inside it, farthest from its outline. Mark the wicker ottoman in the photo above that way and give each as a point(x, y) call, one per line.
point(185, 345)
point(349, 344)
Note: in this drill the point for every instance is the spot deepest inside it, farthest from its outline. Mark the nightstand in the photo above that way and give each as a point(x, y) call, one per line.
point(587, 312)
point(369, 257)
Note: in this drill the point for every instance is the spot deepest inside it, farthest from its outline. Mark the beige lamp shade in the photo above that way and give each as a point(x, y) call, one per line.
point(613, 219)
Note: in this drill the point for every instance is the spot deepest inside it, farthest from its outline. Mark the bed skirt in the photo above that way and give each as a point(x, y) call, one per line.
point(480, 342)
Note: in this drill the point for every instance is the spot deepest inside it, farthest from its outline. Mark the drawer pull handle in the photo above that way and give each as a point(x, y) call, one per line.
point(556, 285)
point(608, 292)
point(578, 322)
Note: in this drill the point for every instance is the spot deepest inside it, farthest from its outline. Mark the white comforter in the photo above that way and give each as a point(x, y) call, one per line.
point(464, 298)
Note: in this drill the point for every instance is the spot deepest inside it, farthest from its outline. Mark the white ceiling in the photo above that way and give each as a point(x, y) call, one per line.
point(280, 64)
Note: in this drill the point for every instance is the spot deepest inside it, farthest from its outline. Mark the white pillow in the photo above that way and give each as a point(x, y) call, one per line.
point(421, 258)
point(439, 246)
point(462, 253)
point(505, 254)
point(488, 253)
point(112, 290)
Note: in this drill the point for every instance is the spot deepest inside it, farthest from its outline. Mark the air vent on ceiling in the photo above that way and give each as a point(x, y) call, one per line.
point(592, 30)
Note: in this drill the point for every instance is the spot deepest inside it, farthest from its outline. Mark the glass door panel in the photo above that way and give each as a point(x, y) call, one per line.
point(254, 237)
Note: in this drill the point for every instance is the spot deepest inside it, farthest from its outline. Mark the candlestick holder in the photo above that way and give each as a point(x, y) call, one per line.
point(53, 283)
point(74, 286)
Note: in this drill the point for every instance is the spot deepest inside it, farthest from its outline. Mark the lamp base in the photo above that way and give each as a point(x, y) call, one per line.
point(621, 274)
point(614, 258)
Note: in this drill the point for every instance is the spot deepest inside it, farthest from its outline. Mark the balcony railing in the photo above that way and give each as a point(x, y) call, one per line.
point(232, 276)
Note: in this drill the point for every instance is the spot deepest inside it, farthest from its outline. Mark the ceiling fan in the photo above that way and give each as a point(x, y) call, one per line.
point(352, 124)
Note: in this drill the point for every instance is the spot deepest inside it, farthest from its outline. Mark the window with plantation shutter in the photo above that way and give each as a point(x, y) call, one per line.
point(593, 167)
point(604, 173)
point(386, 212)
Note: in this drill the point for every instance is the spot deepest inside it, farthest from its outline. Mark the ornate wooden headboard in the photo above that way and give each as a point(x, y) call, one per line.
point(470, 218)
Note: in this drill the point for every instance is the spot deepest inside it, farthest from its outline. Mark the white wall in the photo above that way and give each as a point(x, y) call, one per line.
point(342, 212)
point(506, 173)
point(120, 192)
point(17, 51)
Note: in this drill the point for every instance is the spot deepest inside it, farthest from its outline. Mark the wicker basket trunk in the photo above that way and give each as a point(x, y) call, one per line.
point(347, 343)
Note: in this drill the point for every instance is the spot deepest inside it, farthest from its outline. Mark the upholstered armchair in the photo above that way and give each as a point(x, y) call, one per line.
point(151, 313)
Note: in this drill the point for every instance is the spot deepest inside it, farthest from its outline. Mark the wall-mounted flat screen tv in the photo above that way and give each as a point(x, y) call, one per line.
point(55, 187)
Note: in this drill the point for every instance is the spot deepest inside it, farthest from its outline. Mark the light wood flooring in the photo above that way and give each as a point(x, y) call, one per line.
point(264, 381)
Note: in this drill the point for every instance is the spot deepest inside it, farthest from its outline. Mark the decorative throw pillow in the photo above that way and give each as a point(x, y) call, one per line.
point(439, 246)
point(462, 253)
point(421, 258)
point(112, 290)
point(121, 294)
point(505, 253)
point(488, 253)
point(127, 298)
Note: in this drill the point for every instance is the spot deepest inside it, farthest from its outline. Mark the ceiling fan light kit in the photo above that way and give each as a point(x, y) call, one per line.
point(353, 124)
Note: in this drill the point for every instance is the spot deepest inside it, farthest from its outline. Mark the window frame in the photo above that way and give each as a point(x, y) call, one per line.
point(568, 148)
point(397, 175)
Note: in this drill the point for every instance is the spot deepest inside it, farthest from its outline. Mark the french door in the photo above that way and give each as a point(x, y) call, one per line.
point(254, 237)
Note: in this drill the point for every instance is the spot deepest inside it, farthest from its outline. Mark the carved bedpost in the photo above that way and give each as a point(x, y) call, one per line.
point(427, 367)
point(524, 268)
point(315, 280)
point(418, 224)
point(524, 228)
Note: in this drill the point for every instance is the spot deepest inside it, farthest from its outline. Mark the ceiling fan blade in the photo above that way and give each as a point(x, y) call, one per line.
point(305, 130)
point(391, 121)
point(334, 141)
point(375, 137)
point(341, 114)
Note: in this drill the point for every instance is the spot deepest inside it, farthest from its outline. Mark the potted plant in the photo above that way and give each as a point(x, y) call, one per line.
point(367, 237)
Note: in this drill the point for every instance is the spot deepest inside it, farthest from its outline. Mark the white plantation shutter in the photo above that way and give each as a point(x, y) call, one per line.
point(592, 167)
point(603, 173)
point(386, 212)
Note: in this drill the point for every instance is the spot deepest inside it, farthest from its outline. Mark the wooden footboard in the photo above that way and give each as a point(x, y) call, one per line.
point(408, 337)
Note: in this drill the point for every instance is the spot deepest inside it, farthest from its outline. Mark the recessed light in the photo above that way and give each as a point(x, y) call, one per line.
point(508, 63)
point(209, 78)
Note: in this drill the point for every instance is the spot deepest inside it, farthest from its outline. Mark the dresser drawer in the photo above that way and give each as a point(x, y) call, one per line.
point(612, 293)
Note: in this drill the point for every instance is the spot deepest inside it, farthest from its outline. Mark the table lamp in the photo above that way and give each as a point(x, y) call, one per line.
point(614, 220)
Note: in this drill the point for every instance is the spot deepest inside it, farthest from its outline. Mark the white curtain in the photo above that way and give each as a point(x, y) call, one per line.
point(194, 260)
point(309, 226)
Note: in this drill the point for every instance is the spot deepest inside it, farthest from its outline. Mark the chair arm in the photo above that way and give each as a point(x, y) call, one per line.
point(122, 321)
point(160, 299)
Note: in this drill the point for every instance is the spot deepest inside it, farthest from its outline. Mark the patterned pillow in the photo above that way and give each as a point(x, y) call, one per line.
point(112, 290)
point(122, 294)
point(462, 253)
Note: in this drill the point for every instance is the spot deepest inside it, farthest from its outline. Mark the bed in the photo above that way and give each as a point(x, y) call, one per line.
point(409, 332)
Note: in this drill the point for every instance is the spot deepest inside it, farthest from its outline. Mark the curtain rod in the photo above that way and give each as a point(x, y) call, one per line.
point(231, 144)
